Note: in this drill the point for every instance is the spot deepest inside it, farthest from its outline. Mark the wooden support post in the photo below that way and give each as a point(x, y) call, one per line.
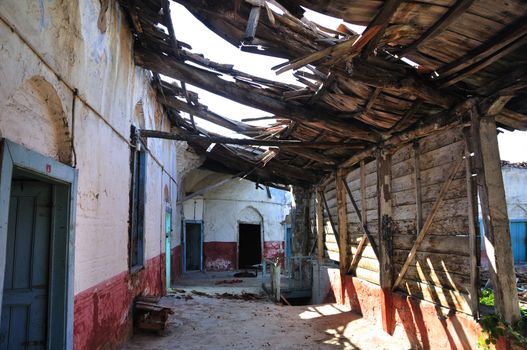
point(474, 242)
point(384, 195)
point(320, 225)
point(495, 219)
point(342, 214)
point(418, 201)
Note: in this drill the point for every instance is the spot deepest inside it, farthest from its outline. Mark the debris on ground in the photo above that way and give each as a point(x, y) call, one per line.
point(243, 296)
point(233, 281)
point(201, 294)
point(245, 274)
point(149, 315)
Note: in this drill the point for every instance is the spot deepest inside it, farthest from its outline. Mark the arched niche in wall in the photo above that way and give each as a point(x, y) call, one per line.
point(34, 117)
point(250, 215)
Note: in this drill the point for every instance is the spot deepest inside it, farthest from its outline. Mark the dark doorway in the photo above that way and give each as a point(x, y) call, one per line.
point(193, 246)
point(249, 245)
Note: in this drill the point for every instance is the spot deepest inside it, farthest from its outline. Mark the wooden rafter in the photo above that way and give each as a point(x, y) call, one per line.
point(480, 57)
point(248, 95)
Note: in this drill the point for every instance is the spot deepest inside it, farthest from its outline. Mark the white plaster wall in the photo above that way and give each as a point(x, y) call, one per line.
point(237, 201)
point(100, 66)
point(515, 182)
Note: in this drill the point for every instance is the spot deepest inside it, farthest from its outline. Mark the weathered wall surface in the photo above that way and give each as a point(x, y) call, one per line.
point(58, 47)
point(223, 208)
point(514, 180)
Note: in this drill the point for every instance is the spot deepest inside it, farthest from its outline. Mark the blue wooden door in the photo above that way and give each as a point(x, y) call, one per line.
point(25, 300)
point(519, 240)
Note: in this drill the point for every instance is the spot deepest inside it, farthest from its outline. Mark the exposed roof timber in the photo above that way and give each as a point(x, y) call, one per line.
point(369, 73)
point(248, 95)
point(182, 136)
point(381, 20)
point(168, 100)
point(409, 118)
point(347, 49)
point(448, 18)
point(484, 63)
point(499, 46)
point(492, 105)
point(508, 84)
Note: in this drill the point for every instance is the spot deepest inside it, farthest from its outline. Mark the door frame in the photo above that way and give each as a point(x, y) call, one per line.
point(262, 244)
point(184, 244)
point(168, 248)
point(14, 157)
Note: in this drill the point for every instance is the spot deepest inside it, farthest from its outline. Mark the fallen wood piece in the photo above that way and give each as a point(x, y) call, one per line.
point(285, 300)
point(149, 315)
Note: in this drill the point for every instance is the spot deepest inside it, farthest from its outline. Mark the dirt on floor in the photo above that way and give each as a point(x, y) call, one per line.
point(218, 321)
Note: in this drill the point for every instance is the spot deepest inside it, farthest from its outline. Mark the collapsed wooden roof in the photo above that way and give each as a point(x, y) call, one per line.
point(355, 93)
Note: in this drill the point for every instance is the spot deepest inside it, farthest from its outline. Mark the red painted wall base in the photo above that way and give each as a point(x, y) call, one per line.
point(416, 320)
point(222, 256)
point(103, 313)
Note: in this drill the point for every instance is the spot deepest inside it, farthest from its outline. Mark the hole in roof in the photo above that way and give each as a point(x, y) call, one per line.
point(162, 28)
point(204, 41)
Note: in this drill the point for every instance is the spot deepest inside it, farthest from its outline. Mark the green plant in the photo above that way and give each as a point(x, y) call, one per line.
point(494, 327)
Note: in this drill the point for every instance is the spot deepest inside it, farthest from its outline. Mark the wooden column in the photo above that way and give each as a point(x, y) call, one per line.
point(384, 179)
point(320, 225)
point(474, 243)
point(495, 219)
point(342, 214)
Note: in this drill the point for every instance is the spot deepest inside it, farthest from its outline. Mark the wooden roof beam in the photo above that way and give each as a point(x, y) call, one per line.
point(181, 135)
point(168, 99)
point(448, 18)
point(371, 74)
point(251, 96)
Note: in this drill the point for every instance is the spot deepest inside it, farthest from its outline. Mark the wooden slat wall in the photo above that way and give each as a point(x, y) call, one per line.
point(332, 250)
point(368, 265)
point(441, 271)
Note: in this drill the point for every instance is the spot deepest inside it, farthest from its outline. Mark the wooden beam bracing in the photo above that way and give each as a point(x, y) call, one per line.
point(422, 233)
point(333, 226)
point(363, 226)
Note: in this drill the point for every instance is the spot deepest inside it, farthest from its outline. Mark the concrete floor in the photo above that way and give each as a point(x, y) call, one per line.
point(206, 318)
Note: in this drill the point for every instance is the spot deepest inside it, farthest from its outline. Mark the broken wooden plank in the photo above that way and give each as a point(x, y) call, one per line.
point(350, 48)
point(381, 20)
